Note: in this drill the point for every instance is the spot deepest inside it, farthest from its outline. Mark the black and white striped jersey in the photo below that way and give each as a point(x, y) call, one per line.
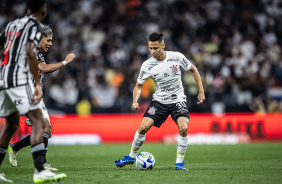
point(40, 59)
point(14, 67)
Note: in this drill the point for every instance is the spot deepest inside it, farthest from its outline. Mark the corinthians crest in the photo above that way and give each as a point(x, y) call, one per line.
point(174, 69)
point(152, 110)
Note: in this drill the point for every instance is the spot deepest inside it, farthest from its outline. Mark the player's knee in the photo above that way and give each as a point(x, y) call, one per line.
point(183, 131)
point(36, 118)
point(12, 127)
point(12, 123)
point(47, 126)
point(142, 130)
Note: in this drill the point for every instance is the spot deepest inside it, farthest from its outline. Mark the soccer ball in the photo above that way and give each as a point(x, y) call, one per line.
point(144, 161)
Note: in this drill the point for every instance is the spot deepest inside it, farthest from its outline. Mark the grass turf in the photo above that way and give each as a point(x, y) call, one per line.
point(243, 163)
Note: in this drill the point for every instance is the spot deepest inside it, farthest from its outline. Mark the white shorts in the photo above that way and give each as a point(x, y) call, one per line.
point(44, 110)
point(17, 99)
point(44, 113)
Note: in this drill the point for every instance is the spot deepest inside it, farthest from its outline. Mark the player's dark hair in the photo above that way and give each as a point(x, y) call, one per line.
point(35, 5)
point(47, 31)
point(156, 36)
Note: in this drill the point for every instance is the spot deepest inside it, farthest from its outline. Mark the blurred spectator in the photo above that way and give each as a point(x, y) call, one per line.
point(103, 95)
point(234, 44)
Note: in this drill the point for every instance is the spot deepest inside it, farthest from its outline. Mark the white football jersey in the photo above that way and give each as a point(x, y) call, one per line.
point(167, 77)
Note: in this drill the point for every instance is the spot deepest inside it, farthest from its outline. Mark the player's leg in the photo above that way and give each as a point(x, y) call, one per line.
point(12, 124)
point(140, 136)
point(47, 134)
point(10, 113)
point(180, 114)
point(12, 154)
point(36, 139)
point(155, 115)
point(182, 141)
point(17, 146)
point(41, 175)
point(139, 139)
point(13, 149)
point(34, 113)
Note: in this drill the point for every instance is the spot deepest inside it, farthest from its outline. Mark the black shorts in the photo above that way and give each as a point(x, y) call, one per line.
point(159, 112)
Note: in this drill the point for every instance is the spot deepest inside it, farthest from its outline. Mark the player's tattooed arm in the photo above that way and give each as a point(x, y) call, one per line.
point(197, 78)
point(136, 96)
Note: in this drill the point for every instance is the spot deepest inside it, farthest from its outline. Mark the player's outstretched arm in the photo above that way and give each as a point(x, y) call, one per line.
point(49, 68)
point(136, 95)
point(197, 78)
point(32, 63)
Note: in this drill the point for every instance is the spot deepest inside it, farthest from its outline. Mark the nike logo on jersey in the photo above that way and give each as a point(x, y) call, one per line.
point(155, 75)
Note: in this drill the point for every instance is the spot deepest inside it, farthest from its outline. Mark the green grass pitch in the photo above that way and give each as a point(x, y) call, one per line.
point(243, 163)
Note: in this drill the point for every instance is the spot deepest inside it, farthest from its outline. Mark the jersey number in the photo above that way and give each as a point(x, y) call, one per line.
point(6, 53)
point(180, 105)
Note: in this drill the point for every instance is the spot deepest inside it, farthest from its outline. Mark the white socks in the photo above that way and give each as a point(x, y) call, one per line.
point(140, 138)
point(181, 148)
point(136, 144)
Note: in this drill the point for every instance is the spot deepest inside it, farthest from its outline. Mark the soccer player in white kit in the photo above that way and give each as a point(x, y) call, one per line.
point(164, 68)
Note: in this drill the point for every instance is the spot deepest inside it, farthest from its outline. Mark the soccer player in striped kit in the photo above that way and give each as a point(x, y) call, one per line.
point(44, 68)
point(169, 99)
point(18, 95)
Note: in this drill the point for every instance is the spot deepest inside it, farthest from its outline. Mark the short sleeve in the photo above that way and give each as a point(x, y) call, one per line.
point(143, 75)
point(40, 57)
point(35, 34)
point(184, 62)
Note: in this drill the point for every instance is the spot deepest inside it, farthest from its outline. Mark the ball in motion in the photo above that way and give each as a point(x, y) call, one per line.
point(144, 161)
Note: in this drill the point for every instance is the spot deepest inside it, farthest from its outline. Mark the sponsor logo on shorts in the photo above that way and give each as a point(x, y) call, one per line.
point(174, 69)
point(18, 102)
point(152, 110)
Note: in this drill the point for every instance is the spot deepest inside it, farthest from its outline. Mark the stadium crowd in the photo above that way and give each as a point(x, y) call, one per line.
point(236, 45)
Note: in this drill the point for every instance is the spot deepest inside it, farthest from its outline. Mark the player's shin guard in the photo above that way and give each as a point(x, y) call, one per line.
point(3, 152)
point(136, 144)
point(38, 156)
point(181, 148)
